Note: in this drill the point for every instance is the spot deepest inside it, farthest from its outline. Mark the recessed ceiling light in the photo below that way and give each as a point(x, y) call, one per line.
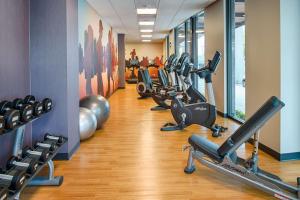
point(146, 23)
point(146, 36)
point(146, 30)
point(146, 40)
point(146, 11)
point(181, 36)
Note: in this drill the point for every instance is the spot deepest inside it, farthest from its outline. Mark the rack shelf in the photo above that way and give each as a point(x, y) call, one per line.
point(33, 180)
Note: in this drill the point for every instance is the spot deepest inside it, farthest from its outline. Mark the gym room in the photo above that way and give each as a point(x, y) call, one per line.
point(149, 99)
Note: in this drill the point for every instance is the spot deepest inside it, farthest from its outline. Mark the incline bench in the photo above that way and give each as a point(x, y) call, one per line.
point(225, 160)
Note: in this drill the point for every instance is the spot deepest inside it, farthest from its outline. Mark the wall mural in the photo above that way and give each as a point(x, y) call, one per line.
point(133, 63)
point(98, 54)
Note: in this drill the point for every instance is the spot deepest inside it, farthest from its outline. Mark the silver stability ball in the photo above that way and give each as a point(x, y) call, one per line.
point(99, 106)
point(87, 123)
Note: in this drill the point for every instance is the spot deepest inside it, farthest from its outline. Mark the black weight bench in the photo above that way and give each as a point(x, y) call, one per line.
point(224, 159)
point(241, 135)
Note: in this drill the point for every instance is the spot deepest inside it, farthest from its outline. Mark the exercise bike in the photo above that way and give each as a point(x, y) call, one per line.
point(224, 158)
point(146, 86)
point(161, 96)
point(203, 113)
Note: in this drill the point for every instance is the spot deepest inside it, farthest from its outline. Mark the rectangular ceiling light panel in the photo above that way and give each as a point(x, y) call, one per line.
point(146, 23)
point(146, 30)
point(146, 11)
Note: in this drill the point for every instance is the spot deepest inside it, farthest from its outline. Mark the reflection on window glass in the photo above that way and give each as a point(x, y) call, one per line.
point(180, 40)
point(200, 48)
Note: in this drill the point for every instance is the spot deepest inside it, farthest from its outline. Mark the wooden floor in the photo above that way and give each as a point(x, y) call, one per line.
point(131, 159)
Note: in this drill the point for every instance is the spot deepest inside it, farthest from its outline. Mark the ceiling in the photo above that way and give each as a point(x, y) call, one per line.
point(122, 16)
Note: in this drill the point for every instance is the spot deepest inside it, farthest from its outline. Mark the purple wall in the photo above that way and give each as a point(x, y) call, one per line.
point(14, 60)
point(121, 59)
point(51, 69)
point(54, 67)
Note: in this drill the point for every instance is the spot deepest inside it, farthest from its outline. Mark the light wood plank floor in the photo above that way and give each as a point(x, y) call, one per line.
point(131, 159)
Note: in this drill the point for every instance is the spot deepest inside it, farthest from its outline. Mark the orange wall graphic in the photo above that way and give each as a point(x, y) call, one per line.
point(98, 54)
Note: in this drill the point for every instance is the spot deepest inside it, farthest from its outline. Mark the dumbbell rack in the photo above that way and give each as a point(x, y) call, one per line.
point(33, 180)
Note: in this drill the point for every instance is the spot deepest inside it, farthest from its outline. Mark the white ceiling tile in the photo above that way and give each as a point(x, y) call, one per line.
point(122, 16)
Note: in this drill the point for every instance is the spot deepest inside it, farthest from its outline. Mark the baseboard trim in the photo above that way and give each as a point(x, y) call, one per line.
point(67, 156)
point(121, 87)
point(222, 114)
point(275, 154)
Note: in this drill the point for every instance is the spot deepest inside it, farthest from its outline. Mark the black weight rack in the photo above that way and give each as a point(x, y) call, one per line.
point(33, 180)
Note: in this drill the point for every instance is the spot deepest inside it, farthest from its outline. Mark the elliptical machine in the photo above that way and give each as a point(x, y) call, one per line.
point(203, 113)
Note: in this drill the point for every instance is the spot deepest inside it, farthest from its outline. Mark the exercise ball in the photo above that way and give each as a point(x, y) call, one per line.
point(87, 123)
point(99, 106)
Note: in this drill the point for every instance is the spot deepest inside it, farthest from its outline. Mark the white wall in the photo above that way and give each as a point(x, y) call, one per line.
point(214, 21)
point(171, 42)
point(290, 73)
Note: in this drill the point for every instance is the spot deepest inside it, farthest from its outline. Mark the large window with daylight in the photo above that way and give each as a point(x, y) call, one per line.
point(236, 60)
point(180, 40)
point(200, 48)
point(189, 37)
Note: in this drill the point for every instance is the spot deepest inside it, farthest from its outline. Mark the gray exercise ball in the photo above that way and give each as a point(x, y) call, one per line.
point(99, 106)
point(87, 123)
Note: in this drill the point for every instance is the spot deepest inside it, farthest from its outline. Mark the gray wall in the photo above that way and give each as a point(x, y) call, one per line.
point(121, 60)
point(14, 58)
point(54, 67)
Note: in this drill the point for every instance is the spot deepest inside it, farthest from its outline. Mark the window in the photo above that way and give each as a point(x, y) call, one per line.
point(189, 37)
point(200, 48)
point(180, 40)
point(236, 58)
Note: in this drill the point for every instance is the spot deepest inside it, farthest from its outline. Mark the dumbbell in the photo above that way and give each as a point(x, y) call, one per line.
point(28, 164)
point(2, 125)
point(37, 106)
point(11, 116)
point(3, 193)
point(25, 109)
point(58, 139)
point(38, 153)
point(47, 144)
point(47, 104)
point(14, 179)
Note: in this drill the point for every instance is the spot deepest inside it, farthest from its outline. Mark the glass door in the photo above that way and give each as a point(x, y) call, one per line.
point(236, 59)
point(200, 46)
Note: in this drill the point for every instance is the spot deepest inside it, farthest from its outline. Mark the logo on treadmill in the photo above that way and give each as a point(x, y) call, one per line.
point(200, 108)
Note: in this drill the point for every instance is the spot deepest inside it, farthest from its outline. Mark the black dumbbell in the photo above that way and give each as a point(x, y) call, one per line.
point(47, 144)
point(11, 116)
point(58, 139)
point(3, 193)
point(38, 153)
point(2, 125)
point(14, 179)
point(26, 110)
point(28, 164)
point(47, 104)
point(37, 106)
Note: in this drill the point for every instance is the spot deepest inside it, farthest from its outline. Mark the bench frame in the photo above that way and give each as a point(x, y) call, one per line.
point(246, 171)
